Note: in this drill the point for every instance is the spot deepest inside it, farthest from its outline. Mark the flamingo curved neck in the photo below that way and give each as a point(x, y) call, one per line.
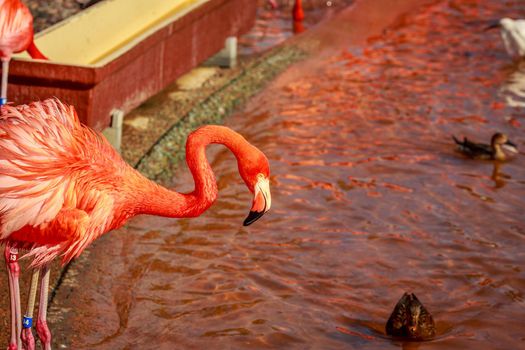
point(157, 200)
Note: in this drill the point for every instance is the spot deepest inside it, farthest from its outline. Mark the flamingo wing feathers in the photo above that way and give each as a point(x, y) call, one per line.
point(77, 229)
point(40, 159)
point(33, 173)
point(55, 180)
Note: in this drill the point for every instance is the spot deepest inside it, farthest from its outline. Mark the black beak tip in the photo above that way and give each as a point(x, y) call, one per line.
point(252, 217)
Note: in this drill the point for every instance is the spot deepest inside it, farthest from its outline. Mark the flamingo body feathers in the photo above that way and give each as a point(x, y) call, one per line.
point(58, 180)
point(62, 186)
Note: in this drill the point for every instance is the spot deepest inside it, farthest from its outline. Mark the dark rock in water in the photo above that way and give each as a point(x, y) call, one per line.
point(410, 320)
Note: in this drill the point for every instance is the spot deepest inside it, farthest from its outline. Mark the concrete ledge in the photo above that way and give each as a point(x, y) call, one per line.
point(136, 70)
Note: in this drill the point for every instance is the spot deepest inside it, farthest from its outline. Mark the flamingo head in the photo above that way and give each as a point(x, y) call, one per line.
point(256, 174)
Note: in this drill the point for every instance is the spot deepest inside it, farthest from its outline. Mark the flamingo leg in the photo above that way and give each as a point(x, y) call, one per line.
point(41, 325)
point(28, 341)
point(13, 271)
point(5, 73)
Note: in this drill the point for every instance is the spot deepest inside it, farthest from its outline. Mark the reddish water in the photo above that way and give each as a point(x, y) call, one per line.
point(369, 200)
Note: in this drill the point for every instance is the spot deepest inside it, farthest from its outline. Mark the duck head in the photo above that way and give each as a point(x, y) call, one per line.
point(499, 139)
point(413, 318)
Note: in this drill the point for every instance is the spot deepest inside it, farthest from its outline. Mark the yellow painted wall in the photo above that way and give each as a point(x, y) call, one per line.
point(102, 32)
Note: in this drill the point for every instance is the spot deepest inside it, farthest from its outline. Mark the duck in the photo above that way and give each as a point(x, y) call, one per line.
point(410, 320)
point(494, 151)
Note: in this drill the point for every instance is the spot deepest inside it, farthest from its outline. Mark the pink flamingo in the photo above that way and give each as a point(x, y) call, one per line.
point(62, 186)
point(16, 35)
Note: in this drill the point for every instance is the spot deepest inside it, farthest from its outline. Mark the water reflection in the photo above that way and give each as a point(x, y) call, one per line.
point(500, 179)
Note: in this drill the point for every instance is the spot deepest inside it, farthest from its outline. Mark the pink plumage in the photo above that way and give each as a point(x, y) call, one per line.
point(62, 185)
point(16, 30)
point(57, 179)
point(16, 35)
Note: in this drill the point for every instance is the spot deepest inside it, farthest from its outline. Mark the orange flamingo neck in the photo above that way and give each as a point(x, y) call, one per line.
point(157, 200)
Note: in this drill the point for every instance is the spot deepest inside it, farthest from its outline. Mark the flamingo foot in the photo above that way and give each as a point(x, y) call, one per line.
point(28, 341)
point(44, 334)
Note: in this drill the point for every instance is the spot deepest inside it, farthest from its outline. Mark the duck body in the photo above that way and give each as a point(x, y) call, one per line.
point(474, 150)
point(494, 151)
point(410, 320)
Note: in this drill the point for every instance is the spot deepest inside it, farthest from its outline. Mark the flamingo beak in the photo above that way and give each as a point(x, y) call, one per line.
point(510, 146)
point(262, 200)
